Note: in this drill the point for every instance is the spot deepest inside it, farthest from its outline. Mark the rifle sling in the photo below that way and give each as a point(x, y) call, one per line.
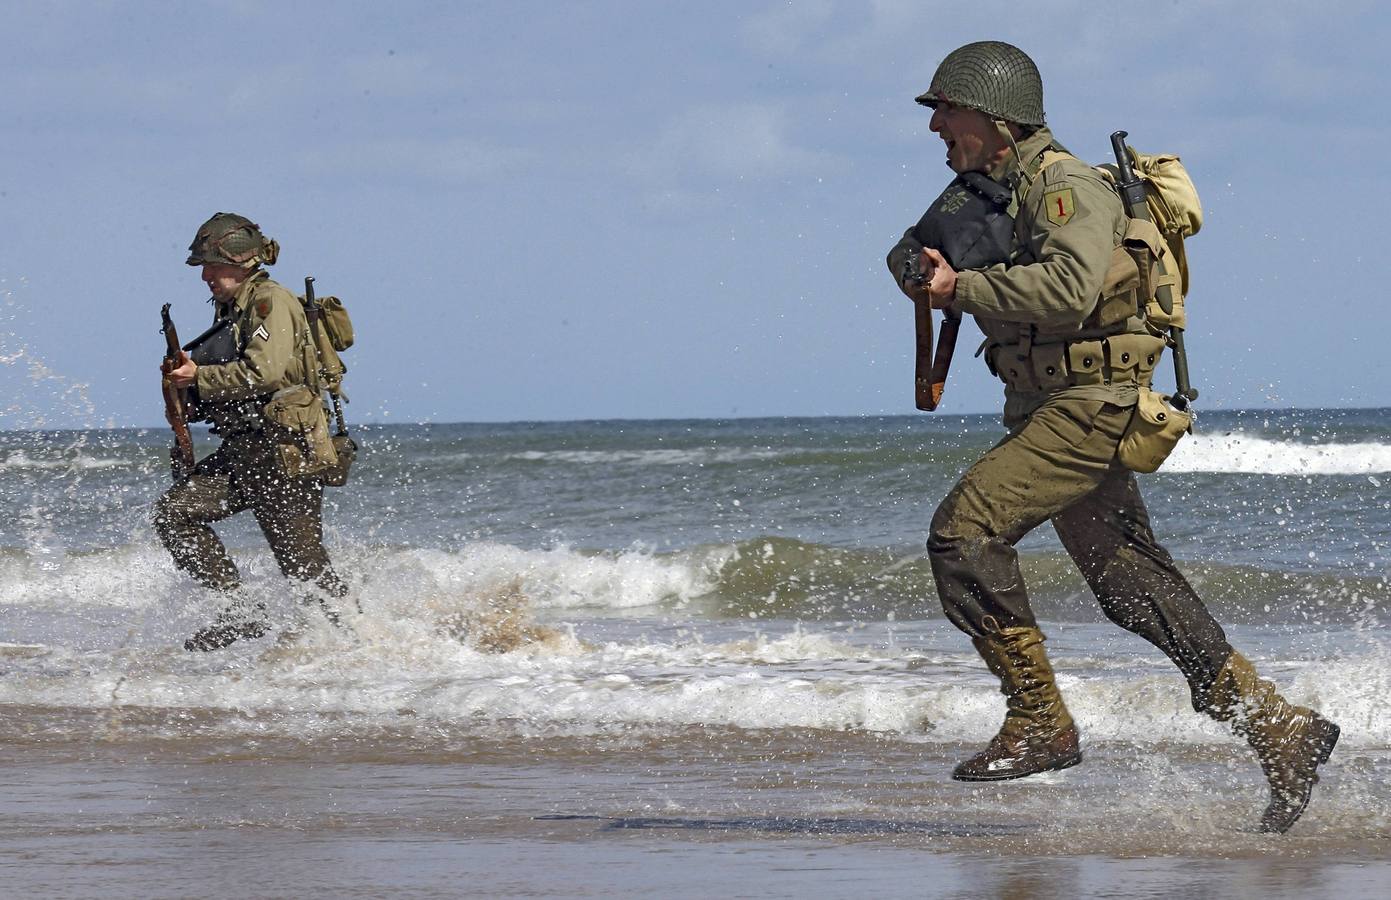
point(930, 375)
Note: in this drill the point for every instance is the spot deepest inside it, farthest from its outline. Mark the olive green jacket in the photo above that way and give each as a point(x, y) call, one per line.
point(1067, 222)
point(1062, 250)
point(273, 340)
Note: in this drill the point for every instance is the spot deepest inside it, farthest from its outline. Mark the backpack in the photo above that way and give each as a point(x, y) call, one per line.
point(1172, 201)
point(1174, 208)
point(333, 333)
point(1174, 213)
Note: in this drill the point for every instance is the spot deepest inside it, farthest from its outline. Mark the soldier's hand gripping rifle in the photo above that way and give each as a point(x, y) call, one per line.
point(970, 225)
point(175, 401)
point(1132, 191)
point(929, 369)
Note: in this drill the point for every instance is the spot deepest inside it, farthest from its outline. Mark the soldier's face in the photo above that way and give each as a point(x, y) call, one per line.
point(223, 280)
point(973, 142)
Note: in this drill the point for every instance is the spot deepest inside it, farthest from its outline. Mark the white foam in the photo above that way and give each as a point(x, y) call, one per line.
point(1232, 453)
point(413, 655)
point(404, 669)
point(49, 579)
point(141, 576)
point(657, 457)
point(551, 579)
point(18, 460)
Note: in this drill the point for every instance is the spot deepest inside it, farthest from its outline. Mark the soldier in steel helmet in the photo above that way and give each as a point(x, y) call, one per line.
point(1073, 354)
point(238, 380)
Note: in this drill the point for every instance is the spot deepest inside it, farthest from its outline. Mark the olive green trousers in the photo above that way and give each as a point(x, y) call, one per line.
point(242, 475)
point(1060, 465)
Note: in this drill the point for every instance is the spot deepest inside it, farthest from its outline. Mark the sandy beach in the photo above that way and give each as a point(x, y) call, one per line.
point(708, 812)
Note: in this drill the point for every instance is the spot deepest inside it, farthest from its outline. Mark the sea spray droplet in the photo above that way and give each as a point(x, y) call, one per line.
point(1376, 482)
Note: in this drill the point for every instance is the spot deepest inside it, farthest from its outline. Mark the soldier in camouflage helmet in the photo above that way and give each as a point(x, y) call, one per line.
point(1073, 352)
point(263, 351)
point(228, 239)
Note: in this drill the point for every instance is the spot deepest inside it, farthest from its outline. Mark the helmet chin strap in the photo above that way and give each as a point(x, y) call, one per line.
point(1003, 128)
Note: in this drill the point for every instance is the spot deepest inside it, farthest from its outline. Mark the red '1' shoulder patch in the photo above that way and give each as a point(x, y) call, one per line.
point(263, 308)
point(1059, 205)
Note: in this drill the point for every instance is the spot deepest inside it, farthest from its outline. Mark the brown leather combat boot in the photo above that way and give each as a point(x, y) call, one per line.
point(1290, 741)
point(1038, 734)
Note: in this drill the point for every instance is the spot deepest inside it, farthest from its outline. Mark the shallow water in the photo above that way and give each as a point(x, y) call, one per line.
point(697, 813)
point(671, 658)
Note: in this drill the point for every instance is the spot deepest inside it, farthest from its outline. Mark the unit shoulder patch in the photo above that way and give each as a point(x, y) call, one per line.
point(1059, 205)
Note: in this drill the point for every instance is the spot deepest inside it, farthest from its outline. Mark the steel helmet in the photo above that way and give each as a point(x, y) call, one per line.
point(996, 78)
point(231, 240)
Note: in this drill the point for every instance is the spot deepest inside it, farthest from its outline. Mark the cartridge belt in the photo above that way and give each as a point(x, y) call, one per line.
point(1038, 364)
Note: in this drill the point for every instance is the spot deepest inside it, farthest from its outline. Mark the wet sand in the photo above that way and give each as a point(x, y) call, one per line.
point(150, 803)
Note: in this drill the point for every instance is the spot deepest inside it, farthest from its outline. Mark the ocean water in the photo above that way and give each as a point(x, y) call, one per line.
point(584, 632)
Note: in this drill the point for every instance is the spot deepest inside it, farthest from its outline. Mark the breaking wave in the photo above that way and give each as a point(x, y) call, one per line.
point(401, 667)
point(1239, 453)
point(760, 578)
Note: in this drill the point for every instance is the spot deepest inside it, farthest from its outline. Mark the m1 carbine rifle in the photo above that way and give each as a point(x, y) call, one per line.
point(175, 401)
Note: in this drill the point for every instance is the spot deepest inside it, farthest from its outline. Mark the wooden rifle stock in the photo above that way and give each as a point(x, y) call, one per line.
point(175, 402)
point(930, 370)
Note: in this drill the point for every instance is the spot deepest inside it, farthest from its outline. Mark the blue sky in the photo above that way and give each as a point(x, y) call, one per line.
point(624, 209)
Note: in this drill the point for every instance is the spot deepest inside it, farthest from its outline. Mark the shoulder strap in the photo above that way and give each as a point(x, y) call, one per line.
point(1051, 156)
point(1052, 153)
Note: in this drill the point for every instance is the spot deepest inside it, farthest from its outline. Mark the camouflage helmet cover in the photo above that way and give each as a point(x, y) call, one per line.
point(996, 78)
point(231, 240)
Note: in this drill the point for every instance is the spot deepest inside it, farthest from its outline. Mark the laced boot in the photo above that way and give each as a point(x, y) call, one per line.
point(1290, 741)
point(239, 621)
point(1038, 734)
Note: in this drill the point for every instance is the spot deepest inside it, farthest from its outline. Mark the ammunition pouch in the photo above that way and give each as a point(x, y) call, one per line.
point(1140, 266)
point(298, 425)
point(1153, 432)
point(1044, 364)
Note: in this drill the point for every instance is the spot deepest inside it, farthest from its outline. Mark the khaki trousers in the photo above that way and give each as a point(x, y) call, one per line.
point(1060, 465)
point(242, 475)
